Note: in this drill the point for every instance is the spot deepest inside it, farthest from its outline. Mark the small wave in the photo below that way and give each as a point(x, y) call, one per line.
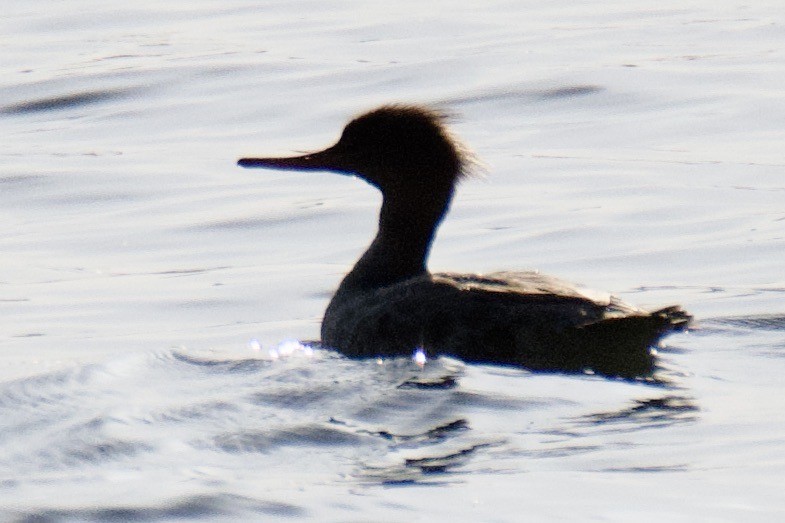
point(187, 508)
point(246, 365)
point(569, 91)
point(21, 181)
point(431, 468)
point(438, 433)
point(297, 396)
point(663, 411)
point(774, 322)
point(527, 95)
point(92, 452)
point(66, 101)
point(316, 434)
point(47, 391)
point(504, 403)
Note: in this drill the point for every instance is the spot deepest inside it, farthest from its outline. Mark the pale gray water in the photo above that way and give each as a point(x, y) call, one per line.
point(632, 148)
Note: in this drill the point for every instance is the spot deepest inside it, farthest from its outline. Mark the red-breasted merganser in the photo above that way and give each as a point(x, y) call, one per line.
point(389, 304)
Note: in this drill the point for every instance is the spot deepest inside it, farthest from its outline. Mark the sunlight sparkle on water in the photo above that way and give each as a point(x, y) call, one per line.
point(419, 357)
point(289, 347)
point(284, 349)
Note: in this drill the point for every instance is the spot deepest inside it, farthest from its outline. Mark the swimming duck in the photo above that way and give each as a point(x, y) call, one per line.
point(389, 304)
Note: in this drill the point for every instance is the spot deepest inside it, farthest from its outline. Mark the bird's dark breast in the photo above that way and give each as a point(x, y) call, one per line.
point(506, 318)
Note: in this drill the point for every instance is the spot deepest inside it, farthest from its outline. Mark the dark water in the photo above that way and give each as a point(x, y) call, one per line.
point(149, 286)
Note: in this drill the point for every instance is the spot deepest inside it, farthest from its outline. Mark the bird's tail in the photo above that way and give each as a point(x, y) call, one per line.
point(622, 346)
point(673, 318)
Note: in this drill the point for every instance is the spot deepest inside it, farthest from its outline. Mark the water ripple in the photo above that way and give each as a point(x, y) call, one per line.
point(434, 468)
point(653, 412)
point(186, 508)
point(65, 101)
point(774, 322)
point(265, 440)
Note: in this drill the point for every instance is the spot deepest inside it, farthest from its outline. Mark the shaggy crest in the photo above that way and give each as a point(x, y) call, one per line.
point(427, 118)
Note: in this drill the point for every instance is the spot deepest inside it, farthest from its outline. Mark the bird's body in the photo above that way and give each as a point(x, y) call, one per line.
point(389, 304)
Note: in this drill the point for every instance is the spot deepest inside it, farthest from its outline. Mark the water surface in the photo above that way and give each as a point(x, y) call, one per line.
point(149, 287)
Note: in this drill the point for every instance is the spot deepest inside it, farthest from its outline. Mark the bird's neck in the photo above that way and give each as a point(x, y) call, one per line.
point(401, 246)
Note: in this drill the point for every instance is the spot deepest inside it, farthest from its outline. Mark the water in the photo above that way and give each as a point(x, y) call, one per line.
point(147, 281)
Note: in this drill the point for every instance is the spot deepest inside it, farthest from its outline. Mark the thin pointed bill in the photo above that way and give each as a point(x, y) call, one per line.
point(328, 160)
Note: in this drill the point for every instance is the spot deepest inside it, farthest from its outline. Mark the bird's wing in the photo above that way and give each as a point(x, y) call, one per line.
point(534, 285)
